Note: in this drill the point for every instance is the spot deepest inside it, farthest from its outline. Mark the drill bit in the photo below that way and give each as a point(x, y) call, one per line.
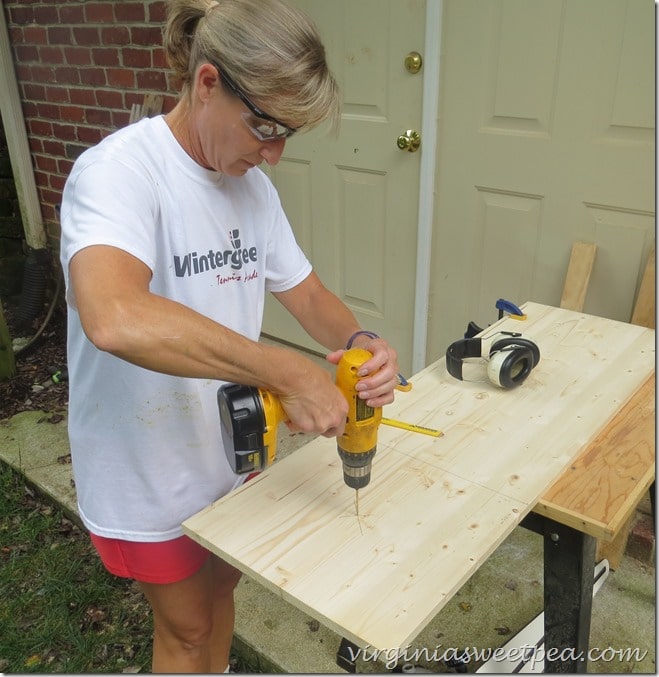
point(361, 531)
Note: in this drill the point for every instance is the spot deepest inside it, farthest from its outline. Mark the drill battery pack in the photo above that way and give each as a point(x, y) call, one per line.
point(242, 417)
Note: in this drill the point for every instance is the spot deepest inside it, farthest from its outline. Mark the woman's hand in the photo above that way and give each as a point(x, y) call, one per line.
point(315, 404)
point(379, 373)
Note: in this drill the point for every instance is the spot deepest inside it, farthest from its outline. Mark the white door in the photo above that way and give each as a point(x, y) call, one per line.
point(547, 136)
point(352, 200)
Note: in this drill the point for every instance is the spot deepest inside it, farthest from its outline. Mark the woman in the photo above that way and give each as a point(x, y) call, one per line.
point(171, 236)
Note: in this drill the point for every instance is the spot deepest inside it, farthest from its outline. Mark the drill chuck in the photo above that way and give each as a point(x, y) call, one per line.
point(356, 468)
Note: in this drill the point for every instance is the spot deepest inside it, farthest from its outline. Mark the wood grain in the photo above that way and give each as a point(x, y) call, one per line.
point(601, 489)
point(645, 306)
point(436, 508)
point(579, 269)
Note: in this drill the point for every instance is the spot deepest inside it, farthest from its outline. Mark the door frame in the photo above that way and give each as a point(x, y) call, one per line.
point(429, 135)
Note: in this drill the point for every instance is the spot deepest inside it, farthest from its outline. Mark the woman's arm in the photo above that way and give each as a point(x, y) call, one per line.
point(121, 316)
point(330, 322)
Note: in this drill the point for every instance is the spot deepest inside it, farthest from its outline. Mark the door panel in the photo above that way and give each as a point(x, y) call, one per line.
point(546, 137)
point(352, 199)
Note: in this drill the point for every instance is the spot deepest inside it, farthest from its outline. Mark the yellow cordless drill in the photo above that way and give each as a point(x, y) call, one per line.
point(250, 417)
point(358, 444)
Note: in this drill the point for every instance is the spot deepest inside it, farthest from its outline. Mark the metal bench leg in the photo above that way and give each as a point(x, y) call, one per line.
point(346, 656)
point(652, 506)
point(569, 561)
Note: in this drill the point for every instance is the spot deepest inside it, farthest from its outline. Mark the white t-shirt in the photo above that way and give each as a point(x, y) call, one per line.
point(147, 447)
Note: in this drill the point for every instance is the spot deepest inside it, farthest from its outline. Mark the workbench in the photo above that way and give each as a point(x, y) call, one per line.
point(436, 508)
point(593, 499)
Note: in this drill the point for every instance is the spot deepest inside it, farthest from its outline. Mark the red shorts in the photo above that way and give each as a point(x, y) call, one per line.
point(161, 562)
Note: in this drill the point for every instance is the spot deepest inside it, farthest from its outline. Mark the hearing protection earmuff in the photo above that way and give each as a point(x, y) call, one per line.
point(509, 360)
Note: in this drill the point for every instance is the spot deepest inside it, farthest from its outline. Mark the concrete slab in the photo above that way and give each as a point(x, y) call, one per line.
point(36, 444)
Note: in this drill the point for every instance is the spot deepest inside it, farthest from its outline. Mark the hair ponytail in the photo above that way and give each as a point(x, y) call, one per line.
point(270, 49)
point(183, 17)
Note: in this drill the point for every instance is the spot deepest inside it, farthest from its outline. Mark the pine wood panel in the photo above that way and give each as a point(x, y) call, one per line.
point(578, 275)
point(601, 489)
point(645, 307)
point(436, 508)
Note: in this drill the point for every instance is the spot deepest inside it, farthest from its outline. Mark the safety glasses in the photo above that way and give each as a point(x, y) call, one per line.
point(263, 126)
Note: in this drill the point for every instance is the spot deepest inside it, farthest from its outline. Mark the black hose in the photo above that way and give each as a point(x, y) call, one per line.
point(49, 315)
point(35, 272)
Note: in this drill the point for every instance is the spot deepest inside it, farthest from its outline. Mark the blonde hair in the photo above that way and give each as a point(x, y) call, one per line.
point(270, 50)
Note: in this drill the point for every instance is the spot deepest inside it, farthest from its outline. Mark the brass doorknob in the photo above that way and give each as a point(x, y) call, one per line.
point(410, 141)
point(413, 62)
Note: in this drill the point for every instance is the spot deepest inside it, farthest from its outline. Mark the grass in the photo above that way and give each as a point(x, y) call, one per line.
point(60, 610)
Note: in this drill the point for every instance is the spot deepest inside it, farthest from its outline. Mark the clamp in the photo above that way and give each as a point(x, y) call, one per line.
point(504, 306)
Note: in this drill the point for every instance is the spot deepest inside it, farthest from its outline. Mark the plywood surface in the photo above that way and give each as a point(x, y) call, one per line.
point(599, 492)
point(436, 508)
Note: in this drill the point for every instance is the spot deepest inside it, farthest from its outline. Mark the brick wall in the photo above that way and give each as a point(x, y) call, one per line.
point(80, 66)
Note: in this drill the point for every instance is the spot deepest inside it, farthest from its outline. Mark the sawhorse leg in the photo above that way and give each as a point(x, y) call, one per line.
point(569, 563)
point(652, 504)
point(346, 656)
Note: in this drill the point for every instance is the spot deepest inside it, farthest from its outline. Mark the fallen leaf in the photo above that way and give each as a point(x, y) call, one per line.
point(65, 526)
point(33, 660)
point(49, 656)
point(94, 616)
